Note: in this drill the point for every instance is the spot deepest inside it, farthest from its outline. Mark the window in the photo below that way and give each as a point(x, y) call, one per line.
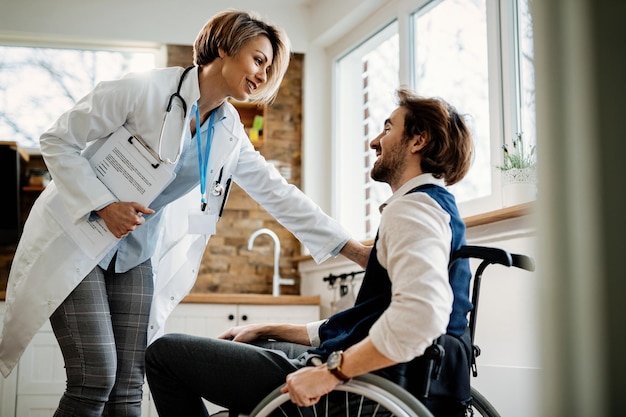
point(38, 84)
point(476, 54)
point(450, 44)
point(526, 75)
point(366, 79)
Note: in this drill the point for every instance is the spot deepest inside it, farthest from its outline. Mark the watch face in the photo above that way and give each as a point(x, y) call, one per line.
point(334, 360)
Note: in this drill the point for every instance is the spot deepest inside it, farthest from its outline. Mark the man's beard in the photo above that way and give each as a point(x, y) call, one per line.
point(389, 168)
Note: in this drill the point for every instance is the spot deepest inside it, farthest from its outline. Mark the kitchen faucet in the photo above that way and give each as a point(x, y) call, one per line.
point(277, 281)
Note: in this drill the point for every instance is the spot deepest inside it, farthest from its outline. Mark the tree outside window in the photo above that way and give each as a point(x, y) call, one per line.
point(38, 84)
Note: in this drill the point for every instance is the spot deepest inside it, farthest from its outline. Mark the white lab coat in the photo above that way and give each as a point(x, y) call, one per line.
point(48, 264)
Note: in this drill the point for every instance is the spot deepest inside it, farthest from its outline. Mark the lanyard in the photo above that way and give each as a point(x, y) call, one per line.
point(203, 158)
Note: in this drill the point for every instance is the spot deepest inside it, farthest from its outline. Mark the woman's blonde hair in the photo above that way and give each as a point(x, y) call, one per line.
point(231, 29)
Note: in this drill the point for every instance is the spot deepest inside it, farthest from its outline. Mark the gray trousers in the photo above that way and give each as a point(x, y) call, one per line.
point(183, 369)
point(101, 328)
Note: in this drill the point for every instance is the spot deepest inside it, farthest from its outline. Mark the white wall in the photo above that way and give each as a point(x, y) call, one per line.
point(138, 21)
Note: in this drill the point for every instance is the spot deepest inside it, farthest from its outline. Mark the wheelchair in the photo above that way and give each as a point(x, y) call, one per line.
point(373, 395)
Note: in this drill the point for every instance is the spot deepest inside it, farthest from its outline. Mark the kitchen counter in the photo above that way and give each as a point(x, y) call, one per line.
point(257, 299)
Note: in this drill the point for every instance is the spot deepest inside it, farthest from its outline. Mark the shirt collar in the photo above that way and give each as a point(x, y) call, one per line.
point(410, 184)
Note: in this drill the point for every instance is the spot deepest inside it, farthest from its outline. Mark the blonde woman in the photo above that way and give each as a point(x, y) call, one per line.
point(105, 310)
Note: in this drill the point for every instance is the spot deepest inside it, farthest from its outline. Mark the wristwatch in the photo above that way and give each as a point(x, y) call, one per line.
point(333, 364)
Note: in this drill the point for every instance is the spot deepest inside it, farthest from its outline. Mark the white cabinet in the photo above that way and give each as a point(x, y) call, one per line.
point(197, 319)
point(8, 386)
point(41, 376)
point(37, 383)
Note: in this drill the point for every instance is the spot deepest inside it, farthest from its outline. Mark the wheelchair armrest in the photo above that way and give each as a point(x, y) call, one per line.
point(523, 261)
point(495, 256)
point(491, 255)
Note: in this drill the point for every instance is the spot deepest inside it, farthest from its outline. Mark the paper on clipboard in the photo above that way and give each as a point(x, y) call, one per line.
point(132, 172)
point(129, 169)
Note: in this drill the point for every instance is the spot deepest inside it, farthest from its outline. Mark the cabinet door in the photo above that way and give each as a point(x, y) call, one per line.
point(36, 405)
point(41, 378)
point(201, 319)
point(8, 394)
point(41, 366)
point(298, 314)
point(8, 386)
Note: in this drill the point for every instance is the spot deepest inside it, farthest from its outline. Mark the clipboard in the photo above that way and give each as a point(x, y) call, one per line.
point(132, 171)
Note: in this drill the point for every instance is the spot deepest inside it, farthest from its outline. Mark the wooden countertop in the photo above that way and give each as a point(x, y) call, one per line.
point(259, 299)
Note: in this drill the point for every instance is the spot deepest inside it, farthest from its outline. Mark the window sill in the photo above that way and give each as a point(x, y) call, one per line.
point(499, 215)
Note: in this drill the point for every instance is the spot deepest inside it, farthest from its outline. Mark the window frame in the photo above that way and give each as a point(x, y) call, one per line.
point(502, 33)
point(344, 100)
point(21, 41)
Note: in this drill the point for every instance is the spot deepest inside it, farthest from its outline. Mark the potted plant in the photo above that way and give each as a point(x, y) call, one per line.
point(519, 173)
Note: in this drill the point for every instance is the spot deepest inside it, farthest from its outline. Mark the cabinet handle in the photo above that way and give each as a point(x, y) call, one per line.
point(244, 317)
point(231, 317)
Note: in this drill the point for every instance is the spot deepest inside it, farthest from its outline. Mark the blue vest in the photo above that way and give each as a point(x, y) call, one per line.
point(350, 326)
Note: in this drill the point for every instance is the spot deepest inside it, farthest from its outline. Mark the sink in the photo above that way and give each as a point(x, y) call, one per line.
point(277, 281)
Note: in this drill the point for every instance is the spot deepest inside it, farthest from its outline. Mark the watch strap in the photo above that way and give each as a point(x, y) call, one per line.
point(339, 374)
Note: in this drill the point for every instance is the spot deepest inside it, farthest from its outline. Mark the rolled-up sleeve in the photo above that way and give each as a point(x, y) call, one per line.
point(313, 330)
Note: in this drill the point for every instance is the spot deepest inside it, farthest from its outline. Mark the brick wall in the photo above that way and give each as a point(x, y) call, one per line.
point(227, 265)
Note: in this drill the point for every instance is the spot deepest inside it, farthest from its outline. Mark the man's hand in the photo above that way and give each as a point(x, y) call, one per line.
point(244, 334)
point(121, 218)
point(307, 385)
point(286, 332)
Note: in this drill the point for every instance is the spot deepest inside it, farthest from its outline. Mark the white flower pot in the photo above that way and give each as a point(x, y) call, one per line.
point(519, 186)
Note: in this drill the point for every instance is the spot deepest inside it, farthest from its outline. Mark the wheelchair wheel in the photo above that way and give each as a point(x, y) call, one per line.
point(366, 395)
point(480, 407)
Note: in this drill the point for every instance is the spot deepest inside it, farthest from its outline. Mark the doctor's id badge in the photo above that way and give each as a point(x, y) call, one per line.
point(201, 222)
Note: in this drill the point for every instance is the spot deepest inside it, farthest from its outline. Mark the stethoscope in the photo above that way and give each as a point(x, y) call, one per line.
point(217, 189)
point(170, 103)
point(157, 155)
